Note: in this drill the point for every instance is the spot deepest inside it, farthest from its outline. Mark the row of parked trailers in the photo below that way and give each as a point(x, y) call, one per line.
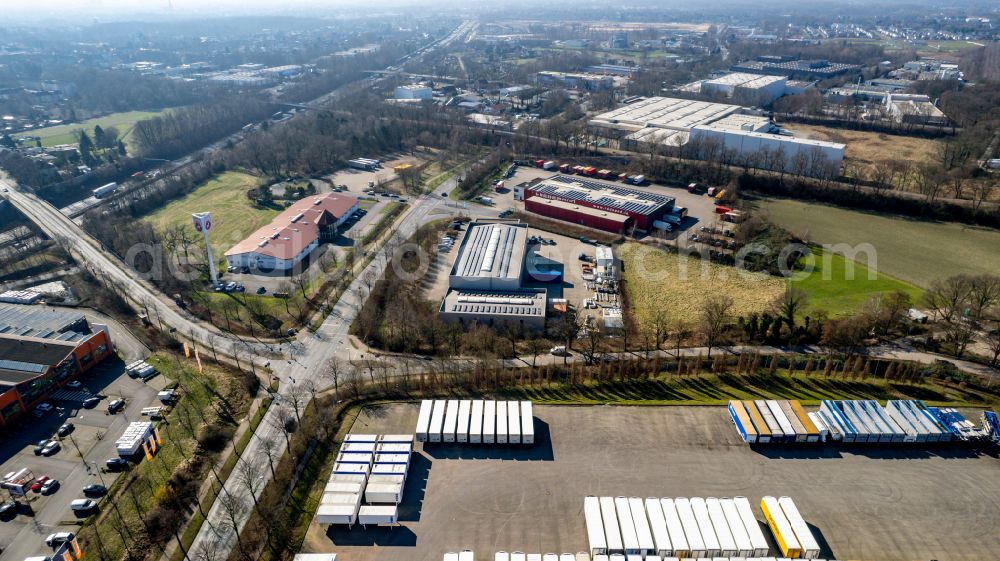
point(790, 530)
point(476, 421)
point(371, 468)
point(673, 527)
point(775, 420)
point(900, 420)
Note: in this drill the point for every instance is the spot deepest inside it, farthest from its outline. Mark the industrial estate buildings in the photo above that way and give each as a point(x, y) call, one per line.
point(294, 234)
point(486, 283)
point(717, 130)
point(40, 350)
point(593, 203)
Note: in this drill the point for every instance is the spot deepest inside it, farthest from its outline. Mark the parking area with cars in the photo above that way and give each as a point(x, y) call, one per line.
point(62, 456)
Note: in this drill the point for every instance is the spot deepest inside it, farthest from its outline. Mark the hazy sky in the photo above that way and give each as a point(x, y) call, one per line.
point(84, 11)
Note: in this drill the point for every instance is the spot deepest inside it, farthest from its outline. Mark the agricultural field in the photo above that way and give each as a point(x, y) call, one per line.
point(233, 215)
point(914, 251)
point(841, 287)
point(865, 147)
point(678, 286)
point(66, 134)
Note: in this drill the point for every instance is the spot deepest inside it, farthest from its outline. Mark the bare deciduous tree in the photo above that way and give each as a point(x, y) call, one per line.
point(714, 319)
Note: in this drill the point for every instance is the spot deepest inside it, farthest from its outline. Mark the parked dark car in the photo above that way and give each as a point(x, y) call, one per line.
point(116, 464)
point(65, 429)
point(116, 406)
point(91, 402)
point(95, 490)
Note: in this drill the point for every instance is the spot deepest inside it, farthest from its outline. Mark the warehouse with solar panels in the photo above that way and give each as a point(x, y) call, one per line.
point(603, 205)
point(485, 283)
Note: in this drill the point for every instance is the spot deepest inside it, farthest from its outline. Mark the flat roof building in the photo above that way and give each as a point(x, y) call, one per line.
point(491, 257)
point(702, 127)
point(575, 80)
point(746, 88)
point(485, 285)
point(796, 68)
point(294, 234)
point(31, 368)
point(604, 205)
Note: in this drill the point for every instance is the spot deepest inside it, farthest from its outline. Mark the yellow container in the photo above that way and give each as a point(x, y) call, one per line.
point(784, 536)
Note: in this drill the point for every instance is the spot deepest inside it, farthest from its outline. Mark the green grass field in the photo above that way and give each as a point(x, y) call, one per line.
point(838, 289)
point(234, 216)
point(66, 134)
point(913, 251)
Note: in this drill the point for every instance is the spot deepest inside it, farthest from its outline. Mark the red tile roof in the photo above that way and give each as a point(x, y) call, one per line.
point(298, 226)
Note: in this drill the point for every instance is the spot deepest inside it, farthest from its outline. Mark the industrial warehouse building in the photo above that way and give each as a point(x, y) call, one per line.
point(719, 131)
point(745, 88)
point(294, 234)
point(485, 285)
point(603, 205)
point(40, 350)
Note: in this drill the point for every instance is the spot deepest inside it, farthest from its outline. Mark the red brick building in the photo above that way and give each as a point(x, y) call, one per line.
point(603, 205)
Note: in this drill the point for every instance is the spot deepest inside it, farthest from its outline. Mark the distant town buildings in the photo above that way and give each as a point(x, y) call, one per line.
point(414, 91)
point(793, 68)
point(619, 40)
point(575, 80)
point(914, 109)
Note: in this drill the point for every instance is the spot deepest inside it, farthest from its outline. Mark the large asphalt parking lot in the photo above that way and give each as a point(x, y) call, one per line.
point(874, 502)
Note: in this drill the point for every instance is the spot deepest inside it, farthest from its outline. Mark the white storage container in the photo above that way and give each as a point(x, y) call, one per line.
point(355, 458)
point(368, 438)
point(810, 547)
point(464, 412)
point(501, 556)
point(379, 515)
point(390, 469)
point(678, 540)
point(627, 526)
point(337, 514)
point(744, 548)
point(340, 499)
point(642, 530)
point(757, 539)
point(692, 533)
point(569, 557)
point(658, 526)
point(451, 556)
point(450, 421)
point(437, 421)
point(351, 469)
point(550, 557)
point(595, 525)
point(393, 448)
point(344, 487)
point(466, 555)
point(489, 422)
point(392, 459)
point(424, 420)
point(700, 510)
point(727, 545)
point(612, 533)
point(513, 422)
point(387, 478)
point(360, 447)
point(527, 423)
point(476, 422)
point(518, 556)
point(348, 478)
point(384, 493)
point(534, 557)
point(502, 433)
